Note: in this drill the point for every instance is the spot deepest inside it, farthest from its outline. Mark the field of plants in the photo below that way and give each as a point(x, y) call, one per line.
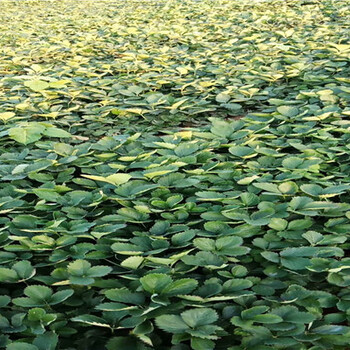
point(175, 175)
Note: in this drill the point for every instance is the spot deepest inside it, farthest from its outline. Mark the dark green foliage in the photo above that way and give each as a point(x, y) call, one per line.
point(130, 241)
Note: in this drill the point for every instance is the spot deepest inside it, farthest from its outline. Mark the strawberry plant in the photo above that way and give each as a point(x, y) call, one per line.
point(139, 210)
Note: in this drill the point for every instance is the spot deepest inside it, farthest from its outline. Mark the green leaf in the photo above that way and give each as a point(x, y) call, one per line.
point(267, 318)
point(24, 269)
point(8, 275)
point(171, 323)
point(155, 282)
point(99, 271)
point(236, 284)
point(312, 237)
point(242, 151)
point(199, 317)
point(202, 344)
point(47, 194)
point(124, 295)
point(21, 346)
point(292, 162)
point(331, 329)
point(278, 224)
point(232, 107)
point(221, 128)
point(61, 296)
point(160, 228)
point(47, 341)
point(249, 199)
point(205, 244)
point(183, 237)
point(38, 293)
point(208, 196)
point(181, 286)
point(79, 268)
point(222, 98)
point(91, 320)
point(269, 187)
point(4, 300)
point(301, 224)
point(312, 189)
point(288, 188)
point(226, 245)
point(36, 314)
point(26, 135)
point(56, 132)
point(299, 251)
point(288, 111)
point(127, 249)
point(291, 314)
point(254, 311)
point(185, 149)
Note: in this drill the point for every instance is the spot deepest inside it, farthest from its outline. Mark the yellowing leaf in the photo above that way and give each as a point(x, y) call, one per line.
point(182, 70)
point(115, 179)
point(127, 159)
point(52, 115)
point(28, 134)
point(157, 173)
point(37, 85)
point(59, 83)
point(186, 135)
point(118, 179)
point(6, 116)
point(133, 262)
point(138, 111)
point(178, 104)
